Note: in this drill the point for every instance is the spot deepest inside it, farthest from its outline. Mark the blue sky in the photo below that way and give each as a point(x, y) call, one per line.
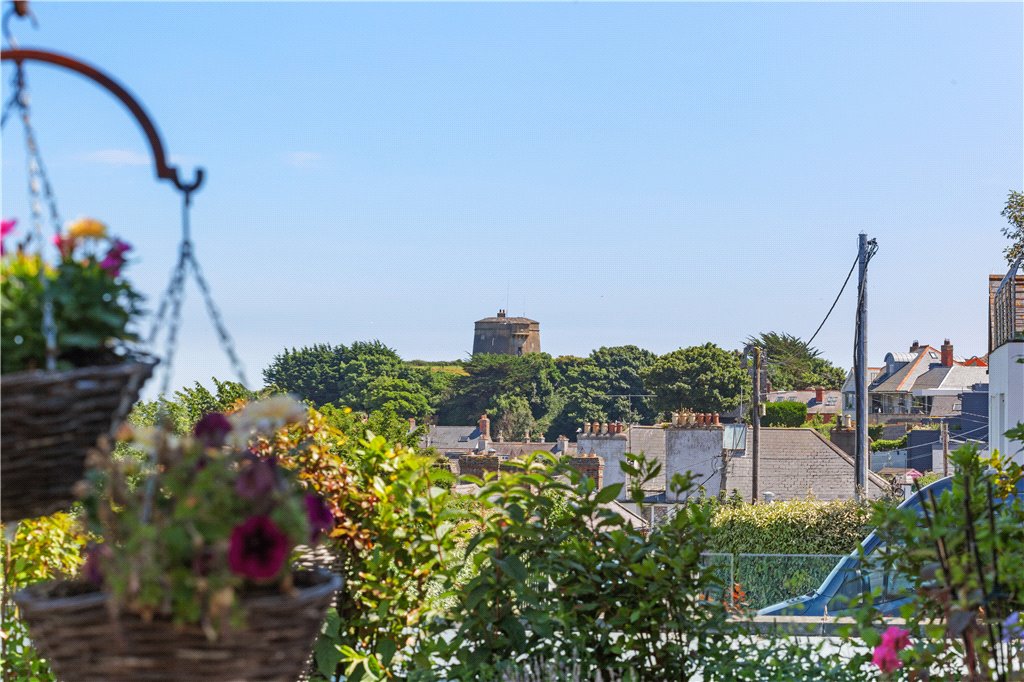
point(657, 174)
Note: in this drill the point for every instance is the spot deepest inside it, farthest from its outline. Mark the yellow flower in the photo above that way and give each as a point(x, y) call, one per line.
point(86, 227)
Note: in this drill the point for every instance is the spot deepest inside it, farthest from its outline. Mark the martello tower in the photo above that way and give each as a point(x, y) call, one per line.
point(506, 335)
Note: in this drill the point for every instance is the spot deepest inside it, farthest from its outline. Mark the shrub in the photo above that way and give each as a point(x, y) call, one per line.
point(786, 413)
point(886, 444)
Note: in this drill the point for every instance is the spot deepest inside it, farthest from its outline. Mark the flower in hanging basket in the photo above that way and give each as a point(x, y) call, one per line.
point(6, 227)
point(86, 228)
point(321, 520)
point(94, 308)
point(258, 549)
point(208, 520)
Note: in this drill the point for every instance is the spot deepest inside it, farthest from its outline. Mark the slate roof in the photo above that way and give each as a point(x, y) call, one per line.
point(904, 377)
point(451, 437)
point(795, 463)
point(808, 399)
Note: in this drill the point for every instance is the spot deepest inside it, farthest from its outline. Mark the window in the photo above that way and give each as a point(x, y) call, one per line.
point(830, 401)
point(933, 355)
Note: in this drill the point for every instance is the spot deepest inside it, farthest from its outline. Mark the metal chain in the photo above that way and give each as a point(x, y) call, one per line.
point(39, 181)
point(218, 323)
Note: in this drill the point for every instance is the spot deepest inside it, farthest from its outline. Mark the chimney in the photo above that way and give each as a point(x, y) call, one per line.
point(484, 425)
point(819, 394)
point(412, 423)
point(947, 354)
point(916, 346)
point(562, 444)
point(501, 313)
point(590, 465)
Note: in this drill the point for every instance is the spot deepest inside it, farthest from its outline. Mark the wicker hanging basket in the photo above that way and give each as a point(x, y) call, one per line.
point(83, 641)
point(49, 420)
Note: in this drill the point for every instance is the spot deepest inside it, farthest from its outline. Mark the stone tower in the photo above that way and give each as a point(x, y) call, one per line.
point(506, 335)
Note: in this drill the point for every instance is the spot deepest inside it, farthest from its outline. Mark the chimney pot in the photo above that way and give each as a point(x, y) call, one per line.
point(716, 417)
point(947, 354)
point(484, 425)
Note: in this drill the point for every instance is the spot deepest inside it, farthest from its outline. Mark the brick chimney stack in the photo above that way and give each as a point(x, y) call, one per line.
point(819, 395)
point(590, 465)
point(484, 425)
point(947, 354)
point(916, 346)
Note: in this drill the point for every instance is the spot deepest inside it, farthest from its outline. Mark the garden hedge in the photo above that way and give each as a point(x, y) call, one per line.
point(788, 527)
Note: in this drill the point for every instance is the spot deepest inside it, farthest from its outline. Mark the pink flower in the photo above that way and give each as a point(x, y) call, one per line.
point(320, 518)
point(897, 638)
point(886, 659)
point(212, 429)
point(65, 245)
point(886, 654)
point(258, 549)
point(6, 227)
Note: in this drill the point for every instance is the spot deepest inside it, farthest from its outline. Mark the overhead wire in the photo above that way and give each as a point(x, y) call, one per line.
point(836, 301)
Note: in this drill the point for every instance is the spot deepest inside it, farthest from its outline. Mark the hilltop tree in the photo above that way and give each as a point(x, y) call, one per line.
point(365, 376)
point(598, 388)
point(700, 378)
point(794, 365)
point(490, 377)
point(1014, 214)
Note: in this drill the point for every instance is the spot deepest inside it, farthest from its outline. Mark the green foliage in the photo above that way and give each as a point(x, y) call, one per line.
point(41, 549)
point(786, 413)
point(489, 377)
point(875, 431)
point(366, 376)
point(793, 365)
point(821, 426)
point(886, 444)
point(1013, 211)
point(93, 310)
point(192, 403)
point(513, 419)
point(595, 388)
point(581, 586)
point(787, 527)
point(700, 378)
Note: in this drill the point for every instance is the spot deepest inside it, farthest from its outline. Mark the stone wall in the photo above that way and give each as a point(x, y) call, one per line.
point(478, 465)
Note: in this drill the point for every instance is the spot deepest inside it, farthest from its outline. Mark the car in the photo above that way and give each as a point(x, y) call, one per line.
point(847, 581)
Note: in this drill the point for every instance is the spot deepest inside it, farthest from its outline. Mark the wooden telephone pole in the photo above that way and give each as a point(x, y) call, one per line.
point(756, 439)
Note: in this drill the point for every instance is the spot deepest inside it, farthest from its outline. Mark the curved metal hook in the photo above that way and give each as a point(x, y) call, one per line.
point(164, 171)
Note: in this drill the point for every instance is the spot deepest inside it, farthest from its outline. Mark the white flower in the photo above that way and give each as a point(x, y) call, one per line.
point(267, 416)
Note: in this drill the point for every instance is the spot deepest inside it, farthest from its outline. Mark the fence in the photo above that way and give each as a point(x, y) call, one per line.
point(754, 581)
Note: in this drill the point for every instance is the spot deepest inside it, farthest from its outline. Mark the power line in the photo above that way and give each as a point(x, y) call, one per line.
point(841, 290)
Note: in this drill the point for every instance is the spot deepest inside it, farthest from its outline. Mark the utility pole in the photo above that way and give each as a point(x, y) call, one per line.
point(756, 439)
point(945, 448)
point(860, 366)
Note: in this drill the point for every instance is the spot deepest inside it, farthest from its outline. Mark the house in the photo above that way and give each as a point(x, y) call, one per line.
point(824, 403)
point(920, 385)
point(1006, 355)
point(794, 463)
point(473, 452)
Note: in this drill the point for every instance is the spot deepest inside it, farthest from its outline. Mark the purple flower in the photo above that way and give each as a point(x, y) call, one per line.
point(115, 257)
point(320, 518)
point(257, 479)
point(258, 549)
point(886, 654)
point(96, 555)
point(212, 429)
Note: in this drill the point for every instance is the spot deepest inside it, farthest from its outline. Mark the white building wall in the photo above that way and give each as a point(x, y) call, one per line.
point(611, 448)
point(1006, 397)
point(697, 450)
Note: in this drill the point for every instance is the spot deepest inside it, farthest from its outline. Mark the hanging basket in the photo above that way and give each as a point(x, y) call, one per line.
point(49, 420)
point(83, 641)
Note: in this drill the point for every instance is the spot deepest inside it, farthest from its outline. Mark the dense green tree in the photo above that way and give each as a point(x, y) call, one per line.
point(604, 386)
point(532, 376)
point(794, 365)
point(700, 378)
point(189, 404)
point(785, 413)
point(512, 417)
point(1014, 214)
point(365, 376)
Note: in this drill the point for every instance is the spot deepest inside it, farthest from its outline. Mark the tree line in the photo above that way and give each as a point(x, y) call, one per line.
point(536, 393)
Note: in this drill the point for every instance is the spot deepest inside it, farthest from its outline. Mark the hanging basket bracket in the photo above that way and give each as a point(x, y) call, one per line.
point(164, 171)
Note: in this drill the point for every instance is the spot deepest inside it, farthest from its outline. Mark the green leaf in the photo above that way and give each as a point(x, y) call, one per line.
point(608, 494)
